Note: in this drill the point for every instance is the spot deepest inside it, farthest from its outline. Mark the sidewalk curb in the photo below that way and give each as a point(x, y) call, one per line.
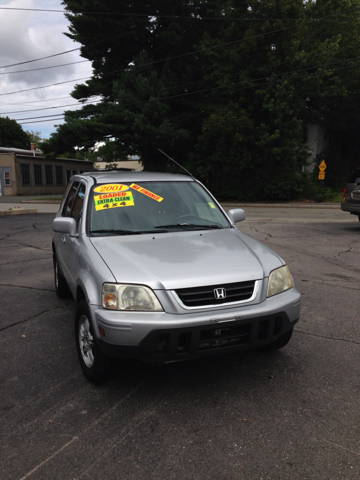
point(45, 202)
point(17, 211)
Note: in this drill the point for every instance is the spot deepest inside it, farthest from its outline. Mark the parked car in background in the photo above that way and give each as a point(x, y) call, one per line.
point(351, 201)
point(160, 272)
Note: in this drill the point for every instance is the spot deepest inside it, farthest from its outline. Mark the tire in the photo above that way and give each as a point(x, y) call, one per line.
point(283, 340)
point(61, 287)
point(94, 363)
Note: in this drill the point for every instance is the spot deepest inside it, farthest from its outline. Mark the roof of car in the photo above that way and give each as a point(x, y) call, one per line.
point(135, 176)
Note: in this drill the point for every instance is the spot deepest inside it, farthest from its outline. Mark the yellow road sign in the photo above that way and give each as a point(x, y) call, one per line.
point(322, 166)
point(321, 176)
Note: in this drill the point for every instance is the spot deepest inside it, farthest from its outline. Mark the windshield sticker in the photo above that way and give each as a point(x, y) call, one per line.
point(146, 192)
point(111, 200)
point(112, 187)
point(212, 205)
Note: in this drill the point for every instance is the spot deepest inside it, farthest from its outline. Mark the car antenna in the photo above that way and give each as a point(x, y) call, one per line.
point(192, 176)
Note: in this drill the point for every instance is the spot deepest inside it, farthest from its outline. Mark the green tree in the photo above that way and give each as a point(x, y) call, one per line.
point(225, 87)
point(12, 135)
point(286, 65)
point(253, 136)
point(35, 137)
point(333, 34)
point(144, 73)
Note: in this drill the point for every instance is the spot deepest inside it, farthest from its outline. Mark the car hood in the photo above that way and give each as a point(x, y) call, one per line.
point(185, 259)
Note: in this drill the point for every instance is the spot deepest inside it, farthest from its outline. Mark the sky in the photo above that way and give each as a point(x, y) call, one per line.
point(32, 35)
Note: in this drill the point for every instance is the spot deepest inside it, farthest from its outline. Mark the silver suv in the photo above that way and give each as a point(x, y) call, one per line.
point(160, 272)
point(352, 195)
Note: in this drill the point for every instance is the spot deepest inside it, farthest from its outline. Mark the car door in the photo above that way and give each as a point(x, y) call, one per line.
point(69, 246)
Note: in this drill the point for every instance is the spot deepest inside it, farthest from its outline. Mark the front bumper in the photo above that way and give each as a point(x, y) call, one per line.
point(162, 337)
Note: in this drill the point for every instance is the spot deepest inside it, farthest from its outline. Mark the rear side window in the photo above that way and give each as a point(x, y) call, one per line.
point(354, 176)
point(70, 200)
point(78, 204)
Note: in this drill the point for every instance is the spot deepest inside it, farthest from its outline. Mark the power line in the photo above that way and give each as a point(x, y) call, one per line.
point(146, 15)
point(155, 62)
point(191, 53)
point(162, 60)
point(46, 108)
point(42, 58)
point(114, 13)
point(45, 86)
point(38, 101)
point(44, 68)
point(196, 83)
point(157, 15)
point(212, 89)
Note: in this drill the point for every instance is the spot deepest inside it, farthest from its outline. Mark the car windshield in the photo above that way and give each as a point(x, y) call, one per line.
point(149, 207)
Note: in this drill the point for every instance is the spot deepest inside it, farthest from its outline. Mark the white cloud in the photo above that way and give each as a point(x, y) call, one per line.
point(29, 35)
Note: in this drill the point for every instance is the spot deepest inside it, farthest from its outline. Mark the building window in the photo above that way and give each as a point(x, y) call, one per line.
point(25, 174)
point(7, 176)
point(38, 180)
point(49, 175)
point(74, 172)
point(68, 176)
point(59, 177)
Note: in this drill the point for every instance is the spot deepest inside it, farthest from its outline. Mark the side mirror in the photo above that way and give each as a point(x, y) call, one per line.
point(236, 215)
point(65, 225)
point(357, 181)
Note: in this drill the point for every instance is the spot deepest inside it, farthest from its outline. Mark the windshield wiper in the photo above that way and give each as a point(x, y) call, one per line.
point(117, 232)
point(189, 225)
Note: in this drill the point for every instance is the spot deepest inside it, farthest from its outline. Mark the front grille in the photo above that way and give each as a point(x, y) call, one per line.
point(182, 343)
point(203, 296)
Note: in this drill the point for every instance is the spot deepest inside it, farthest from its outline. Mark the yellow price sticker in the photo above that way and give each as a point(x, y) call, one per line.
point(113, 200)
point(146, 192)
point(112, 187)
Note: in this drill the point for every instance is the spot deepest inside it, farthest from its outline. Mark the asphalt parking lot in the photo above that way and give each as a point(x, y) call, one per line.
point(293, 414)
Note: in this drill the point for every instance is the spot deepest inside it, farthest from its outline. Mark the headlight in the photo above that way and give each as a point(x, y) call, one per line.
point(129, 297)
point(279, 281)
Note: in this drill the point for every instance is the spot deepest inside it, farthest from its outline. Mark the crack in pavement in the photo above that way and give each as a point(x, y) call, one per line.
point(8, 235)
point(34, 316)
point(329, 284)
point(23, 261)
point(36, 248)
point(318, 257)
point(27, 287)
point(349, 249)
point(134, 422)
point(327, 337)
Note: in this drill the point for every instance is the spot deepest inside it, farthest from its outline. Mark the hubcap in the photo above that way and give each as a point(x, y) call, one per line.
point(86, 341)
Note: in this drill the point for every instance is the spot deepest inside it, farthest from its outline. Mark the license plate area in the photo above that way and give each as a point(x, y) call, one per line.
point(217, 337)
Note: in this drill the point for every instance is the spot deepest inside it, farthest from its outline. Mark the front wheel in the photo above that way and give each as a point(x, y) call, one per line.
point(94, 363)
point(283, 340)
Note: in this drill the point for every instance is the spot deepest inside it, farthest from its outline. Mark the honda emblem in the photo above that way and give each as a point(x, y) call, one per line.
point(219, 293)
